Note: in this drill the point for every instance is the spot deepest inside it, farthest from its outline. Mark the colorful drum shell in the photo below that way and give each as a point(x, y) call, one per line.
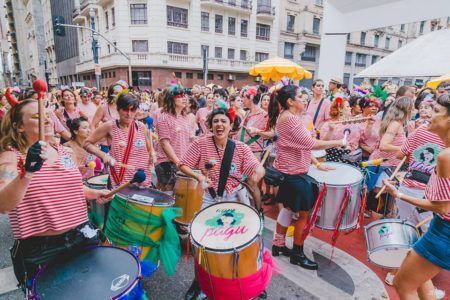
point(215, 253)
point(338, 180)
point(155, 204)
point(97, 273)
point(388, 241)
point(188, 194)
point(97, 212)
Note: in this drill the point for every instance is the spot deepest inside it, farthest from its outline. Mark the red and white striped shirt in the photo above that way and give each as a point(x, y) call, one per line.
point(422, 149)
point(257, 120)
point(294, 147)
point(438, 189)
point(139, 156)
point(201, 115)
point(54, 199)
point(176, 129)
point(339, 133)
point(203, 151)
point(391, 157)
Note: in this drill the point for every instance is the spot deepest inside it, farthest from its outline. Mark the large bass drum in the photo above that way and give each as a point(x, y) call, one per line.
point(344, 178)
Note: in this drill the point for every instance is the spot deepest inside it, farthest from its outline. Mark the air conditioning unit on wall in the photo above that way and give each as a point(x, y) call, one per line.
point(231, 77)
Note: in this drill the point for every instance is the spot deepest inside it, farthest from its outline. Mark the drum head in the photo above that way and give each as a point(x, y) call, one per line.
point(225, 226)
point(101, 180)
point(146, 196)
point(342, 175)
point(99, 273)
point(319, 153)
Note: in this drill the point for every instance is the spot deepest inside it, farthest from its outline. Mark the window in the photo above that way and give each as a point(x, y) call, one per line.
point(318, 2)
point(189, 75)
point(376, 40)
point(219, 76)
point(114, 74)
point(210, 76)
point(422, 26)
point(289, 50)
point(109, 48)
point(348, 58)
point(140, 45)
point(113, 17)
point(387, 43)
point(402, 28)
point(244, 28)
point(141, 78)
point(400, 43)
point(243, 55)
point(361, 60)
point(261, 56)
point(199, 75)
point(362, 40)
point(106, 20)
point(347, 78)
point(348, 38)
point(205, 21)
point(374, 59)
point(218, 52)
point(310, 53)
point(316, 26)
point(115, 46)
point(231, 26)
point(177, 48)
point(262, 32)
point(178, 74)
point(177, 17)
point(231, 53)
point(138, 13)
point(218, 24)
point(290, 23)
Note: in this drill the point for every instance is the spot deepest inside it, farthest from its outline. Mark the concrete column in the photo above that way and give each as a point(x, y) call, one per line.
point(332, 56)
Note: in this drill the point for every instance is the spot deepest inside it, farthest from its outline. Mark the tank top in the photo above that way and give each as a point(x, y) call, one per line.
point(438, 189)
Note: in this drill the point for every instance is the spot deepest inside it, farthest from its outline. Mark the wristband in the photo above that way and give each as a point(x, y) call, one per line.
point(317, 164)
point(400, 195)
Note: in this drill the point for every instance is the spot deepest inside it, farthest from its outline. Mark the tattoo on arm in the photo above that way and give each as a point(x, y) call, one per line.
point(6, 174)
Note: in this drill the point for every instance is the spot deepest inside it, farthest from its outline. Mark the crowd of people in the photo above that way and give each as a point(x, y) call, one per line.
point(260, 131)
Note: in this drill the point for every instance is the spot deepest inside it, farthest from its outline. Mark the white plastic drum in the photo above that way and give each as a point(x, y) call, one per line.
point(338, 180)
point(320, 155)
point(388, 241)
point(225, 227)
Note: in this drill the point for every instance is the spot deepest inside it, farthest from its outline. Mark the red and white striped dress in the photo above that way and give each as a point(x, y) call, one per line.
point(294, 147)
point(139, 156)
point(203, 151)
point(54, 199)
point(176, 129)
point(438, 189)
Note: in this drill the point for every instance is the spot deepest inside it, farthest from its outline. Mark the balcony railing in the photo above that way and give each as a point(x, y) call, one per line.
point(242, 4)
point(264, 9)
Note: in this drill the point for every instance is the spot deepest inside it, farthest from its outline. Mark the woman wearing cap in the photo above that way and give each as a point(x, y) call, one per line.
point(42, 191)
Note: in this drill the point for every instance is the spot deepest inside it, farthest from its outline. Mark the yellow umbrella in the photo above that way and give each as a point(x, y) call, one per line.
point(276, 68)
point(435, 82)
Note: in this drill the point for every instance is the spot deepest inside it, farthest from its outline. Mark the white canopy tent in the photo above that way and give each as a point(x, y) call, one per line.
point(427, 56)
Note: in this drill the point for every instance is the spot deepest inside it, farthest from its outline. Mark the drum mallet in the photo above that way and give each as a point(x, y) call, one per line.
point(208, 167)
point(424, 222)
point(41, 87)
point(138, 177)
point(392, 176)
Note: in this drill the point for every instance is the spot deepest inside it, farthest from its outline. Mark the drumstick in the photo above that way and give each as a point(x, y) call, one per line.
point(392, 176)
point(138, 177)
point(268, 150)
point(40, 87)
point(424, 221)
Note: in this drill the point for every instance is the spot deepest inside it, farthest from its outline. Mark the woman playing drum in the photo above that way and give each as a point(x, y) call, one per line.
point(293, 158)
point(430, 254)
point(42, 191)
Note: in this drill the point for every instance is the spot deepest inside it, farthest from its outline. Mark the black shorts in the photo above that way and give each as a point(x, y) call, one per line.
point(165, 172)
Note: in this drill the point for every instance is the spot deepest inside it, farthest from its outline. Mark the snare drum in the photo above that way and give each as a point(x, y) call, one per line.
point(97, 212)
point(340, 180)
point(229, 250)
point(188, 194)
point(96, 273)
point(388, 241)
point(135, 219)
point(320, 155)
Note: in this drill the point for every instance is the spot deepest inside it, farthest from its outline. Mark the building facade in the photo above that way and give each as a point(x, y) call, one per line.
point(300, 31)
point(6, 69)
point(164, 40)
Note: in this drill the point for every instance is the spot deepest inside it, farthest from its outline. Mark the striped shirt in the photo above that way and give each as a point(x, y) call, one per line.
point(422, 149)
point(177, 130)
point(139, 156)
point(203, 151)
point(201, 115)
point(65, 115)
point(339, 132)
point(54, 199)
point(372, 138)
point(438, 189)
point(258, 121)
point(324, 113)
point(294, 147)
point(391, 157)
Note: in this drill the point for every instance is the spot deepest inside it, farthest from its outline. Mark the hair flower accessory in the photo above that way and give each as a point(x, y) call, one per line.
point(232, 114)
point(251, 91)
point(175, 90)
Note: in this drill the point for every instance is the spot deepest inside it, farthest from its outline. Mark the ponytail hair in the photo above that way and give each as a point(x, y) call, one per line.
point(278, 102)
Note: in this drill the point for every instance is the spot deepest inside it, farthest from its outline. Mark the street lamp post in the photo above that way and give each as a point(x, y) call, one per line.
point(94, 47)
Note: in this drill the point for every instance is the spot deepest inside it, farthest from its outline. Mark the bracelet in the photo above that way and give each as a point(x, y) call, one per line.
point(28, 175)
point(400, 195)
point(317, 164)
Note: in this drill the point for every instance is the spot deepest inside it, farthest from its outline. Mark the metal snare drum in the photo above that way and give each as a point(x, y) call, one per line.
point(97, 212)
point(338, 180)
point(388, 241)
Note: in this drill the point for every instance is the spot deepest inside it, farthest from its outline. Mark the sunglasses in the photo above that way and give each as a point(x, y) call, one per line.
point(319, 85)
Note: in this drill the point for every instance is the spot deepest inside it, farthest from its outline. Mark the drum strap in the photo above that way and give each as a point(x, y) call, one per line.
point(317, 111)
point(126, 156)
point(225, 166)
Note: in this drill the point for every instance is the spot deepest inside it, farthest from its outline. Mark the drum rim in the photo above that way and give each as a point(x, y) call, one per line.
point(229, 250)
point(159, 204)
point(89, 248)
point(384, 266)
point(339, 185)
point(382, 221)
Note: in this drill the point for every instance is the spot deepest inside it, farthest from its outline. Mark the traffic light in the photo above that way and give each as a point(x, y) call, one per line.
point(58, 29)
